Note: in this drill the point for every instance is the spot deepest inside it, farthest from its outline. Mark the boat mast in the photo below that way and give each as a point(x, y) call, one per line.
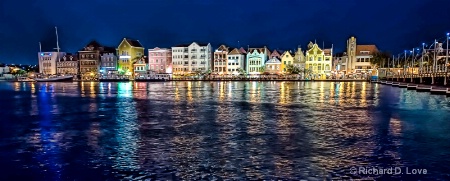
point(57, 43)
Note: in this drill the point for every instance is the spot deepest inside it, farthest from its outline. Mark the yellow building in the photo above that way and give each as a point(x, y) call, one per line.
point(318, 61)
point(286, 59)
point(129, 51)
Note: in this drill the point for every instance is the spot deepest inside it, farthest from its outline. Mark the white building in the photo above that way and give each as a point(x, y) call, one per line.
point(4, 69)
point(221, 59)
point(47, 62)
point(235, 61)
point(188, 59)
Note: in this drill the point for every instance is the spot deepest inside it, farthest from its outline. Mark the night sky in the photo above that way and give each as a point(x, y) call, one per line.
point(393, 25)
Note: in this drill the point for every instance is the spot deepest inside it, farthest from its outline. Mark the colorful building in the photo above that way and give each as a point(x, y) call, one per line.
point(300, 59)
point(235, 61)
point(319, 61)
point(273, 65)
point(160, 60)
point(90, 58)
point(108, 63)
point(358, 57)
point(286, 59)
point(129, 51)
point(140, 66)
point(189, 59)
point(221, 59)
point(256, 59)
point(68, 65)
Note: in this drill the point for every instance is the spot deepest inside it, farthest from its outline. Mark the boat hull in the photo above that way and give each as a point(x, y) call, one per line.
point(114, 80)
point(56, 79)
point(150, 80)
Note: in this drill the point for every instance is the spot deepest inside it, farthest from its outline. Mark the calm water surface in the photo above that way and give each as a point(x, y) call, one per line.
point(219, 130)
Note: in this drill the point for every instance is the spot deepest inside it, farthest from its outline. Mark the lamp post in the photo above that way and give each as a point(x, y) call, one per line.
point(446, 61)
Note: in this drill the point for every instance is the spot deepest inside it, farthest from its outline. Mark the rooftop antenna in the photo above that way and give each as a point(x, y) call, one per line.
point(239, 45)
point(40, 47)
point(323, 44)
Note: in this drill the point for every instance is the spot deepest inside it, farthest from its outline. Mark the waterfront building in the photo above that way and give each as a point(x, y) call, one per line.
point(235, 61)
point(299, 59)
point(256, 59)
point(129, 51)
point(140, 66)
point(273, 65)
point(68, 65)
point(160, 60)
point(191, 58)
point(319, 61)
point(276, 53)
point(108, 63)
point(221, 59)
point(358, 57)
point(47, 62)
point(90, 57)
point(4, 69)
point(286, 59)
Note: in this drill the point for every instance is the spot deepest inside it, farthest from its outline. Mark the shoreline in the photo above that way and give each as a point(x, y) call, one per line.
point(432, 89)
point(219, 80)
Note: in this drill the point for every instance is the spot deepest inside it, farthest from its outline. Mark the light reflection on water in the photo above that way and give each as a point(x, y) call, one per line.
point(230, 130)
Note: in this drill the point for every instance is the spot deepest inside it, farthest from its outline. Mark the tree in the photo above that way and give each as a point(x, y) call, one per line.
point(379, 59)
point(241, 71)
point(262, 69)
point(291, 69)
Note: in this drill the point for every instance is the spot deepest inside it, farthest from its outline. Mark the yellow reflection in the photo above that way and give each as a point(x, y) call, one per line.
point(177, 94)
point(92, 90)
point(221, 90)
point(363, 94)
point(17, 86)
point(321, 93)
point(189, 92)
point(33, 88)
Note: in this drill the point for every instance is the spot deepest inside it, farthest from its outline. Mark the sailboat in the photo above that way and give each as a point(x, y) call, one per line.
point(56, 78)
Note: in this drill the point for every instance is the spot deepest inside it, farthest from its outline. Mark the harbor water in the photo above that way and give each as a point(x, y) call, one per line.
point(201, 130)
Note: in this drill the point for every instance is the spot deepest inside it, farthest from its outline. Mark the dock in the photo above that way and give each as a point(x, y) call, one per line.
point(403, 85)
point(440, 91)
point(395, 84)
point(412, 86)
point(423, 88)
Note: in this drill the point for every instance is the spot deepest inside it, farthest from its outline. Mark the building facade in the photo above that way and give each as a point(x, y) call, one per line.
point(300, 59)
point(286, 59)
point(220, 60)
point(235, 61)
point(188, 59)
point(319, 61)
point(129, 51)
point(140, 66)
point(90, 59)
point(47, 62)
point(68, 65)
point(160, 60)
point(358, 57)
point(108, 63)
point(4, 69)
point(256, 59)
point(273, 65)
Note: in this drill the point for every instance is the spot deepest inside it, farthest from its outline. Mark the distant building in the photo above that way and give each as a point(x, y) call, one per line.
point(129, 51)
point(47, 62)
point(235, 61)
point(4, 69)
point(300, 59)
point(160, 60)
point(256, 59)
point(68, 65)
point(273, 65)
point(286, 59)
point(221, 59)
point(191, 58)
point(358, 57)
point(108, 63)
point(319, 61)
point(90, 59)
point(140, 66)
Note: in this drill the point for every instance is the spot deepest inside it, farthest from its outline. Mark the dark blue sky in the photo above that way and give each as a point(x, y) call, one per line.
point(393, 25)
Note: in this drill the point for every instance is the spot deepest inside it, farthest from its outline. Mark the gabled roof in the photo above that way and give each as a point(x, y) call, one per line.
point(235, 52)
point(286, 52)
point(327, 52)
point(273, 60)
point(134, 43)
point(275, 53)
point(242, 50)
point(223, 48)
point(69, 57)
point(371, 48)
point(259, 50)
